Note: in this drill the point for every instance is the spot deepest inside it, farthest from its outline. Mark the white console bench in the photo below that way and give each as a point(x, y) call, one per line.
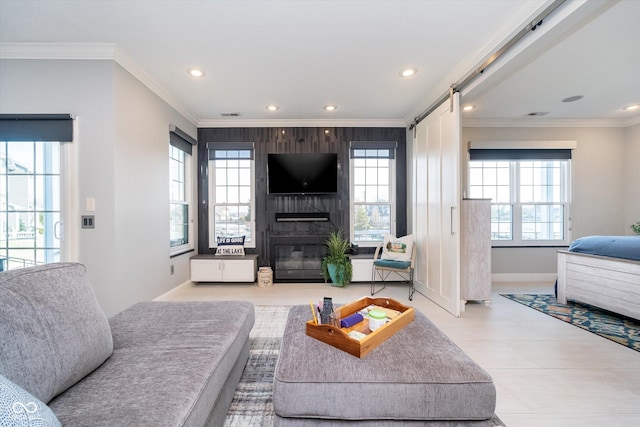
point(224, 268)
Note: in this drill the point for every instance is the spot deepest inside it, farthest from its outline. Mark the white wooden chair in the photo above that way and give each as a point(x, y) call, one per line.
point(384, 269)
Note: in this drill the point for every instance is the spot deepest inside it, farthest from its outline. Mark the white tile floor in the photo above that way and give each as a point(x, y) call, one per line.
point(547, 372)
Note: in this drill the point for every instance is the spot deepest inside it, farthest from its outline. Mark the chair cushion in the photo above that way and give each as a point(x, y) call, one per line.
point(389, 263)
point(52, 330)
point(397, 248)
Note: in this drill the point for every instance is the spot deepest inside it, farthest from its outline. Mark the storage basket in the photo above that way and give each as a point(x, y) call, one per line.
point(265, 277)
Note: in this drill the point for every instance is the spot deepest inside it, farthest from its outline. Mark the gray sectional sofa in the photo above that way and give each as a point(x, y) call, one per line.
point(155, 364)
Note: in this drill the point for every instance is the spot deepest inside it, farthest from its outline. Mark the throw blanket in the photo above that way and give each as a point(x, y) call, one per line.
point(626, 247)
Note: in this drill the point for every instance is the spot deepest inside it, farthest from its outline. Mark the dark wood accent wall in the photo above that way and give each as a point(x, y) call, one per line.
point(297, 140)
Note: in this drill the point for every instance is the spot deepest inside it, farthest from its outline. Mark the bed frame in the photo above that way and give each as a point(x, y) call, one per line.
point(609, 283)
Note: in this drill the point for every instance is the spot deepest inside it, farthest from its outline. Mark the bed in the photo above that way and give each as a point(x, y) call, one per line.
point(603, 271)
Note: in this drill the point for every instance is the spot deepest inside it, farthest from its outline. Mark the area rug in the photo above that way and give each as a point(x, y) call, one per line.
point(617, 328)
point(252, 403)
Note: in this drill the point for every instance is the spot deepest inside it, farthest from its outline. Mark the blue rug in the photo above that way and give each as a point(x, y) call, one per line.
point(617, 328)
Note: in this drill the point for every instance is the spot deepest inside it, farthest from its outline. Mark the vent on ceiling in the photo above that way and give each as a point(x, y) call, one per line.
point(230, 114)
point(537, 114)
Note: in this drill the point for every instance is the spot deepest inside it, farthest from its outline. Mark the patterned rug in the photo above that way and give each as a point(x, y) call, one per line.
point(617, 328)
point(252, 403)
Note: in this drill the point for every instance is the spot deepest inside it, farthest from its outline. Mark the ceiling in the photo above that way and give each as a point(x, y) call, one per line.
point(304, 54)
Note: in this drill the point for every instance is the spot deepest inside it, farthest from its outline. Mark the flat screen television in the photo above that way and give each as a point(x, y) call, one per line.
point(302, 173)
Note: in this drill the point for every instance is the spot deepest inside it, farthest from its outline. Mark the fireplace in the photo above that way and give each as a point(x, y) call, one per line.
point(297, 259)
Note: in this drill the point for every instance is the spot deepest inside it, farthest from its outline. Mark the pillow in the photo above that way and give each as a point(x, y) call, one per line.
point(397, 248)
point(52, 330)
point(230, 246)
point(18, 408)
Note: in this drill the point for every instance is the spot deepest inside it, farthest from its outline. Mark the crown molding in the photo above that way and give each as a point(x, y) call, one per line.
point(240, 122)
point(551, 123)
point(94, 51)
point(110, 51)
point(632, 121)
point(127, 62)
point(88, 51)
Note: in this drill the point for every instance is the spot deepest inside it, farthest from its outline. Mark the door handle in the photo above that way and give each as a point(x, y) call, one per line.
point(58, 230)
point(453, 228)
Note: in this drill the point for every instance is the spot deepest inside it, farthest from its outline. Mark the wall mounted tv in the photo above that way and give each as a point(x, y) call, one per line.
point(302, 173)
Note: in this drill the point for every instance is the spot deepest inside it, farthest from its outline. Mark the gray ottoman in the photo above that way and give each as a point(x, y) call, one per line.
point(417, 377)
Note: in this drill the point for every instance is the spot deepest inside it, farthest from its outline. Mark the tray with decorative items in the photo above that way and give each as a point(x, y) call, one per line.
point(360, 326)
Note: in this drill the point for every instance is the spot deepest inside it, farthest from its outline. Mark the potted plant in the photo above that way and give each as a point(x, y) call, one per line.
point(336, 265)
point(636, 227)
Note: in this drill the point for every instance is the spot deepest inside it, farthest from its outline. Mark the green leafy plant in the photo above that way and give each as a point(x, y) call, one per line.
point(636, 227)
point(336, 265)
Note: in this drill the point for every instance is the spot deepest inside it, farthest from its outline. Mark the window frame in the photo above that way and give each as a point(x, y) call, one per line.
point(61, 129)
point(516, 203)
point(353, 205)
point(250, 238)
point(186, 200)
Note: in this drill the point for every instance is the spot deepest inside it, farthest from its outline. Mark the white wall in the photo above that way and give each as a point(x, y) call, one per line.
point(632, 177)
point(599, 196)
point(122, 147)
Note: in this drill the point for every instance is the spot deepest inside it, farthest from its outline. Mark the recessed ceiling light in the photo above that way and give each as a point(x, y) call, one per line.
point(468, 107)
point(632, 107)
point(195, 72)
point(408, 72)
point(573, 98)
point(273, 107)
point(330, 108)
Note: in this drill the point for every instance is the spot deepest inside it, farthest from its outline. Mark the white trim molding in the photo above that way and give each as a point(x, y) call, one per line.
point(94, 51)
point(523, 145)
point(87, 51)
point(240, 122)
point(550, 123)
point(524, 277)
point(171, 293)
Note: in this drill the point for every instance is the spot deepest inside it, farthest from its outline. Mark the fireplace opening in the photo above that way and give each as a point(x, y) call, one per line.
point(296, 261)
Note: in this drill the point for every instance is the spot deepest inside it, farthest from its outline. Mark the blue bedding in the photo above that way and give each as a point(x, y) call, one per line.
point(626, 247)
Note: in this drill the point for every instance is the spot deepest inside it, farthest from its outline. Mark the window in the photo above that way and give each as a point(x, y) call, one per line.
point(180, 190)
point(530, 200)
point(29, 204)
point(372, 172)
point(35, 195)
point(232, 193)
point(179, 162)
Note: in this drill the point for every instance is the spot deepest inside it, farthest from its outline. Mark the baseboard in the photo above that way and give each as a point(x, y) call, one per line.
point(523, 277)
point(168, 296)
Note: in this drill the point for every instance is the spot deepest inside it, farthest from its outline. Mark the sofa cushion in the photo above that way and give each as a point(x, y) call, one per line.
point(169, 364)
point(52, 330)
point(416, 374)
point(18, 408)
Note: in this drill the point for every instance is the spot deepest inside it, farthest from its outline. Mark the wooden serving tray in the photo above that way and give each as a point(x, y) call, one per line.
point(339, 338)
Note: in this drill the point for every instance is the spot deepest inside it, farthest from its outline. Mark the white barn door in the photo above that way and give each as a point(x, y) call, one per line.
point(436, 200)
